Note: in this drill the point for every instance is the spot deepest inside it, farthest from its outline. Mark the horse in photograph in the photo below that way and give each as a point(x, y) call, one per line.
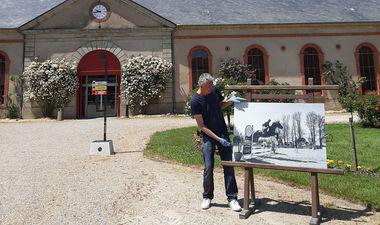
point(269, 137)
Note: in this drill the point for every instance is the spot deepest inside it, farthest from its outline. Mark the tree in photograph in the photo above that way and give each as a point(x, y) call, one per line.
point(296, 117)
point(51, 84)
point(294, 132)
point(321, 129)
point(299, 127)
point(311, 123)
point(286, 128)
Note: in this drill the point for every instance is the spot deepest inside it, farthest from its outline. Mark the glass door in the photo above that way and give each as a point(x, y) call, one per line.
point(93, 105)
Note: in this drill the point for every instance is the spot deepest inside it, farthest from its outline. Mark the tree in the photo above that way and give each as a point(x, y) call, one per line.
point(297, 126)
point(286, 128)
point(348, 94)
point(311, 122)
point(233, 69)
point(294, 131)
point(348, 91)
point(51, 84)
point(321, 129)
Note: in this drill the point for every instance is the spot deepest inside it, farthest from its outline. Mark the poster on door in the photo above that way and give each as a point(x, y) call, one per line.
point(283, 134)
point(99, 87)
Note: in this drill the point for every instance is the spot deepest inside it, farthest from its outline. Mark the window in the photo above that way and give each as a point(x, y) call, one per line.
point(367, 68)
point(199, 65)
point(199, 60)
point(255, 58)
point(2, 79)
point(312, 67)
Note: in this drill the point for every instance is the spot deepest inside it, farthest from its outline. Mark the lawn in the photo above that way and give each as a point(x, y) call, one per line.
point(177, 146)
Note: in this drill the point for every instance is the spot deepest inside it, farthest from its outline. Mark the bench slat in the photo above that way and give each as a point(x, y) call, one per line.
point(287, 168)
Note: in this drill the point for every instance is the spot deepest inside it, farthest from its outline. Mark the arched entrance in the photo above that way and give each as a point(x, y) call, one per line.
point(91, 68)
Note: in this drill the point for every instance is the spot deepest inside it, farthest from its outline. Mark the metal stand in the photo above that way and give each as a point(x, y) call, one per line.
point(104, 147)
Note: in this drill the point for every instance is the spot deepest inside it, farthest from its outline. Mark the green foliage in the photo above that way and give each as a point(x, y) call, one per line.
point(51, 83)
point(219, 83)
point(349, 97)
point(143, 80)
point(233, 69)
point(337, 74)
point(12, 108)
point(369, 111)
point(187, 109)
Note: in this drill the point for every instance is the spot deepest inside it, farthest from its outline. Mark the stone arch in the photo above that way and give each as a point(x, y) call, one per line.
point(99, 45)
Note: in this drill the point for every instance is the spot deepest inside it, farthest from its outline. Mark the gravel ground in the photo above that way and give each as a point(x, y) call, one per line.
point(47, 177)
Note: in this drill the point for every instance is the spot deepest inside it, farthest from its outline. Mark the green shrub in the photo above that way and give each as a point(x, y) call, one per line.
point(369, 111)
point(233, 69)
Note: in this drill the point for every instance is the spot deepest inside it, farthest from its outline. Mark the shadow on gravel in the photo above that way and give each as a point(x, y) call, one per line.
point(304, 208)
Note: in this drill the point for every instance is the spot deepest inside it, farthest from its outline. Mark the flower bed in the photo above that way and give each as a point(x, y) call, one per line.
point(362, 170)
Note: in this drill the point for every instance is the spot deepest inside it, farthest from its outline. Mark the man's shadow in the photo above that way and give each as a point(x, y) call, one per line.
point(304, 208)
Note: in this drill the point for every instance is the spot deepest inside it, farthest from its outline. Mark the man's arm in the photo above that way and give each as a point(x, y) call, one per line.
point(224, 104)
point(201, 125)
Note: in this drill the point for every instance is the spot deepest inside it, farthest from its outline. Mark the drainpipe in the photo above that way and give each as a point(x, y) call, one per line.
point(22, 79)
point(173, 72)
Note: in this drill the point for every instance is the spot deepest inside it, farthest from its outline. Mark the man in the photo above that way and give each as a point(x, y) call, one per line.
point(206, 107)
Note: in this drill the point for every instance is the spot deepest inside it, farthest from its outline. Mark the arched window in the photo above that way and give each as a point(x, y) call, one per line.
point(199, 62)
point(257, 58)
point(2, 79)
point(367, 67)
point(312, 66)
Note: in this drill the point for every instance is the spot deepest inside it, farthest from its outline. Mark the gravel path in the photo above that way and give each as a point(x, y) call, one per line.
point(47, 177)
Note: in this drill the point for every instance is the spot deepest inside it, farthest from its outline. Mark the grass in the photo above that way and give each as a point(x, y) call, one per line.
point(177, 146)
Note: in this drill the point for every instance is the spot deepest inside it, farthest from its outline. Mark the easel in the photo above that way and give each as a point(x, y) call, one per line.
point(250, 201)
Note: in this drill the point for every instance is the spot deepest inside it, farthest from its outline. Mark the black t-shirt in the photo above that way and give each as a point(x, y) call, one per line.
point(209, 107)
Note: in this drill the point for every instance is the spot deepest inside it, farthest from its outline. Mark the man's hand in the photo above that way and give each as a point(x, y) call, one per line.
point(224, 142)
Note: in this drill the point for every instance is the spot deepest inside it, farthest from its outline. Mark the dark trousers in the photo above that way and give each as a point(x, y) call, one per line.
point(208, 173)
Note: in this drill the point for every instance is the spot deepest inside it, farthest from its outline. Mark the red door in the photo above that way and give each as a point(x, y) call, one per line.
point(91, 65)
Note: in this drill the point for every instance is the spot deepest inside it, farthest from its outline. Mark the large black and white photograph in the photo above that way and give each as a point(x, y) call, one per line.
point(284, 134)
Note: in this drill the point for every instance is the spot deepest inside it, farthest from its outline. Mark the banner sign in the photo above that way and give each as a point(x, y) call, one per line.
point(99, 88)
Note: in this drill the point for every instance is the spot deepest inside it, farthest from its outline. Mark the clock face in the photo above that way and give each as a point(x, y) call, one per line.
point(100, 11)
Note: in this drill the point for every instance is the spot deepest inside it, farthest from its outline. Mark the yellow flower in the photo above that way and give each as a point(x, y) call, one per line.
point(340, 161)
point(349, 165)
point(359, 167)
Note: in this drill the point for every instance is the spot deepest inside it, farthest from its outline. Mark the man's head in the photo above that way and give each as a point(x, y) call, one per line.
point(205, 83)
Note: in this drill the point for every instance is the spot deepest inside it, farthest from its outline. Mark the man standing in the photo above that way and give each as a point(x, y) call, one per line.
point(206, 107)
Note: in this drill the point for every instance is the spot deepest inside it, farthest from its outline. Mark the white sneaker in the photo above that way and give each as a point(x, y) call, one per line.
point(234, 205)
point(206, 203)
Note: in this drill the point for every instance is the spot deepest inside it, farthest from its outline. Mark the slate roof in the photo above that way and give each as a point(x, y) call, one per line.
point(14, 13)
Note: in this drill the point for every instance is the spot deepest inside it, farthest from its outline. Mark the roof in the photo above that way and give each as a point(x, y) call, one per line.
point(15, 13)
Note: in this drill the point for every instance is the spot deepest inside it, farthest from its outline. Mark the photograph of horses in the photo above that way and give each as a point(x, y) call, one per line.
point(284, 134)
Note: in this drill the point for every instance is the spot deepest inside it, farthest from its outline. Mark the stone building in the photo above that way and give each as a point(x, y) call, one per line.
point(286, 40)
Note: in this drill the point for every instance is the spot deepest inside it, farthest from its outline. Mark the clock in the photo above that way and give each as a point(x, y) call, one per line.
point(100, 12)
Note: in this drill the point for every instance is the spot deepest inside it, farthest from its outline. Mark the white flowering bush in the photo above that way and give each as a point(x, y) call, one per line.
point(233, 69)
point(144, 78)
point(51, 84)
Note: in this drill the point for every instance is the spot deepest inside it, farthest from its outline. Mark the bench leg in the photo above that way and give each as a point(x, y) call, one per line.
point(249, 205)
point(316, 213)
